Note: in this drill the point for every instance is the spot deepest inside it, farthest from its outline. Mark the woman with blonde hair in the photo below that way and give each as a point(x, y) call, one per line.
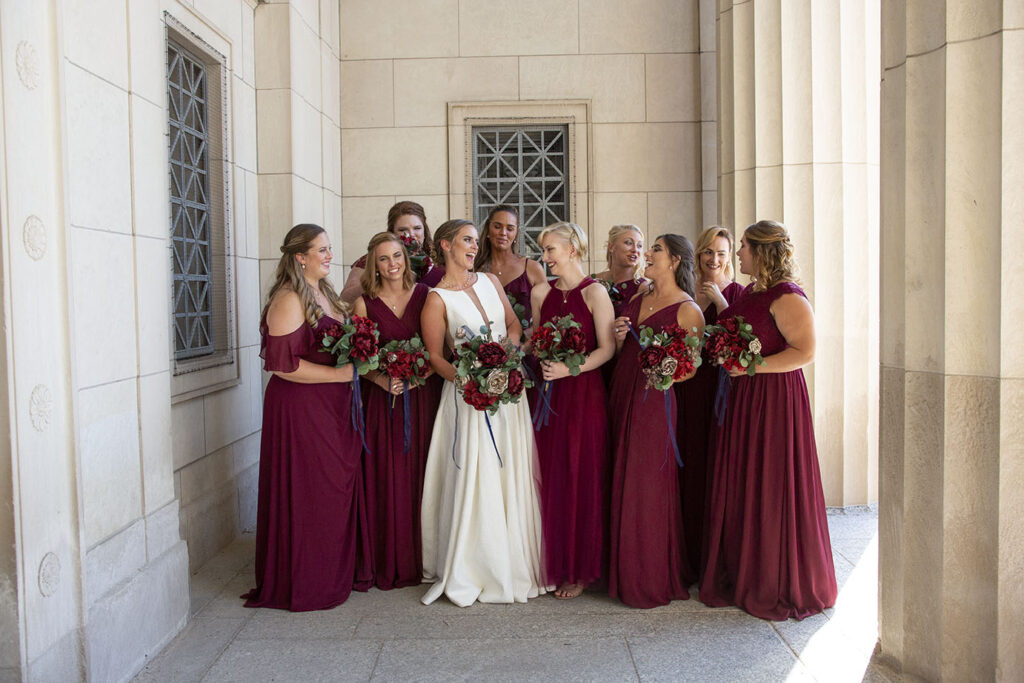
point(572, 441)
point(398, 431)
point(311, 550)
point(624, 275)
point(768, 545)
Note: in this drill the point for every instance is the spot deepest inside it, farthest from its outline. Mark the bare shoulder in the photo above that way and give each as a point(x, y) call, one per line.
point(689, 315)
point(285, 313)
point(791, 305)
point(359, 306)
point(535, 272)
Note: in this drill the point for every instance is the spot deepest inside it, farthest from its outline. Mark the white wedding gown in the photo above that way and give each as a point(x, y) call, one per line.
point(481, 515)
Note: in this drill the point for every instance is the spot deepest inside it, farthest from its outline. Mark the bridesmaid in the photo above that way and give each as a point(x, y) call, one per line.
point(573, 446)
point(311, 542)
point(696, 398)
point(625, 268)
point(648, 549)
point(393, 466)
point(498, 255)
point(404, 218)
point(768, 546)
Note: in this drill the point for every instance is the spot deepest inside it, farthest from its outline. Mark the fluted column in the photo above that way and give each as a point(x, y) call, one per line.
point(951, 539)
point(798, 112)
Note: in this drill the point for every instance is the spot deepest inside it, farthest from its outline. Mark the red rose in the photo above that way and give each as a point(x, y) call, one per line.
point(515, 383)
point(543, 339)
point(574, 341)
point(364, 345)
point(491, 354)
point(476, 398)
point(652, 356)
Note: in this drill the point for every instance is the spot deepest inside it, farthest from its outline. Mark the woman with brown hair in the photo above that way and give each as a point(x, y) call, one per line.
point(499, 255)
point(768, 545)
point(311, 548)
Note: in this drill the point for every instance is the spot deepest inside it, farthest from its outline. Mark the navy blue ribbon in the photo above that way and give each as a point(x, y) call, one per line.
point(722, 394)
point(356, 414)
point(408, 417)
point(455, 437)
point(668, 410)
point(487, 419)
point(544, 411)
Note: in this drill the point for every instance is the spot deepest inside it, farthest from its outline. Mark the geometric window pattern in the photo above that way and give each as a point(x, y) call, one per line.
point(192, 289)
point(527, 168)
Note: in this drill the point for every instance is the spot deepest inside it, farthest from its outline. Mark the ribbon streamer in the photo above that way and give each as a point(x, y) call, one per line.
point(722, 395)
point(408, 416)
point(356, 414)
point(487, 419)
point(455, 437)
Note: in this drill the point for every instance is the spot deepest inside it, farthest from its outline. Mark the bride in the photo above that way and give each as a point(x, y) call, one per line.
point(480, 515)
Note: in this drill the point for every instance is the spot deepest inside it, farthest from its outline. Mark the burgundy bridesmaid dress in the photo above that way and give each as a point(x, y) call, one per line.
point(394, 475)
point(696, 398)
point(627, 290)
point(519, 289)
point(647, 546)
point(768, 546)
point(312, 546)
point(574, 461)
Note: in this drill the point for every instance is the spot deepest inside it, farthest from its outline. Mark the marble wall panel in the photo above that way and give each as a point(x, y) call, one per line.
point(614, 84)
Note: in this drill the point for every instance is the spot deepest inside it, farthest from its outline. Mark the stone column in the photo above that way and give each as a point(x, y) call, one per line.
point(951, 520)
point(798, 131)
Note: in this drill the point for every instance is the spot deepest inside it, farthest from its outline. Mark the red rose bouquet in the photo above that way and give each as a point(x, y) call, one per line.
point(419, 260)
point(405, 360)
point(487, 372)
point(354, 341)
point(614, 293)
point(560, 340)
point(668, 355)
point(733, 345)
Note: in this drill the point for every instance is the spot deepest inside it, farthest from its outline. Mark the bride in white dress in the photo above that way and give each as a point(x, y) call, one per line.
point(481, 516)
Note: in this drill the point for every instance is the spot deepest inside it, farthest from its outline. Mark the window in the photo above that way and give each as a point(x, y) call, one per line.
point(527, 167)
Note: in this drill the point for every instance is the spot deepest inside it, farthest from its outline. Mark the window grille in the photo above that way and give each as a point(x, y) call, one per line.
point(526, 167)
point(192, 289)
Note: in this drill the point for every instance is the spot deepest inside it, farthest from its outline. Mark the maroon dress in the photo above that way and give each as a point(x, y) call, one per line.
point(394, 475)
point(312, 547)
point(647, 547)
point(625, 291)
point(519, 289)
point(572, 449)
point(768, 545)
point(696, 399)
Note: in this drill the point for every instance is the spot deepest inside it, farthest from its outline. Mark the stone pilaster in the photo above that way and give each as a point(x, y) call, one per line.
point(951, 538)
point(798, 102)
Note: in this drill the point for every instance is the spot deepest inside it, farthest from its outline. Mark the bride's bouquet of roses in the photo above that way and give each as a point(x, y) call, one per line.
point(560, 340)
point(419, 260)
point(668, 355)
point(733, 345)
point(487, 372)
point(355, 341)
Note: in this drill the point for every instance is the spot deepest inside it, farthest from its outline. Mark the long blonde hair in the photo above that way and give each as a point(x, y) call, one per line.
point(571, 233)
point(773, 253)
point(614, 234)
point(370, 279)
point(289, 274)
point(707, 236)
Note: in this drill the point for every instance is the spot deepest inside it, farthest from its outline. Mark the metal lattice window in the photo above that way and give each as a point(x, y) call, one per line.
point(527, 168)
point(192, 294)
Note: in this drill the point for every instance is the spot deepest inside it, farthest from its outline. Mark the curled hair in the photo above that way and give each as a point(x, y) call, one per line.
point(707, 236)
point(571, 233)
point(447, 231)
point(289, 275)
point(614, 234)
point(408, 208)
point(370, 279)
point(773, 252)
point(680, 247)
point(483, 256)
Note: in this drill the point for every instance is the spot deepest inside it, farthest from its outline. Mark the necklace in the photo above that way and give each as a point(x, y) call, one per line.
point(452, 285)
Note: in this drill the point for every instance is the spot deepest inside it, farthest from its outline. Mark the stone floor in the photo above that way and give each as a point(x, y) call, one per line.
point(391, 636)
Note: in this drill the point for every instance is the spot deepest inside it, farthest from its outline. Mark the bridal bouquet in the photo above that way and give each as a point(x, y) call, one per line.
point(487, 372)
point(561, 340)
point(732, 344)
point(668, 355)
point(405, 360)
point(419, 260)
point(355, 341)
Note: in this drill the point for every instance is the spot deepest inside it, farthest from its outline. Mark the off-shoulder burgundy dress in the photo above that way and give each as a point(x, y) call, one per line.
point(394, 475)
point(768, 545)
point(312, 546)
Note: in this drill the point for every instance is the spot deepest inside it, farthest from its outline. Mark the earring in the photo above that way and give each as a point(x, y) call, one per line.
point(303, 265)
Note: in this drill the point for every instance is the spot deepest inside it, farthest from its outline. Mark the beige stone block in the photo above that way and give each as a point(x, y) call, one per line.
point(890, 511)
point(225, 16)
point(149, 169)
point(769, 197)
point(970, 19)
point(675, 212)
point(892, 273)
point(153, 299)
point(652, 157)
point(372, 29)
point(614, 83)
point(114, 560)
point(1013, 15)
point(147, 46)
point(330, 25)
point(188, 433)
point(307, 203)
point(974, 169)
point(268, 269)
point(582, 213)
point(239, 228)
point(893, 34)
point(243, 124)
point(162, 529)
point(799, 206)
point(275, 212)
point(307, 145)
point(108, 420)
point(768, 77)
point(99, 162)
point(708, 86)
point(308, 12)
point(673, 88)
point(726, 101)
point(709, 155)
point(362, 218)
point(859, 82)
point(423, 87)
point(252, 214)
point(727, 201)
point(394, 161)
point(272, 31)
point(925, 212)
point(435, 206)
point(247, 68)
point(970, 527)
point(305, 63)
point(1012, 240)
point(332, 215)
point(827, 83)
point(926, 27)
point(527, 27)
point(229, 413)
point(796, 86)
point(614, 208)
point(330, 84)
point(155, 440)
point(107, 58)
point(608, 26)
point(744, 198)
point(331, 141)
point(743, 102)
point(104, 306)
point(274, 122)
point(709, 209)
point(249, 304)
point(1010, 659)
point(206, 475)
point(707, 16)
point(367, 94)
point(922, 532)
